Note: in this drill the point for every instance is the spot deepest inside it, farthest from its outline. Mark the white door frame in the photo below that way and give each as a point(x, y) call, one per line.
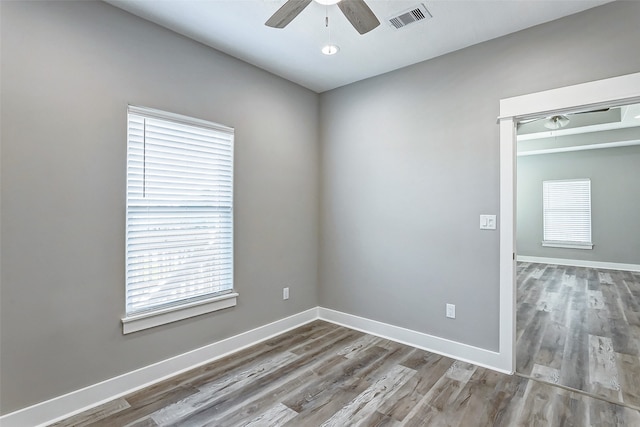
point(586, 96)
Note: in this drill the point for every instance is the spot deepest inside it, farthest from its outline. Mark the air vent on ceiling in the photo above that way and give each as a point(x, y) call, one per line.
point(410, 16)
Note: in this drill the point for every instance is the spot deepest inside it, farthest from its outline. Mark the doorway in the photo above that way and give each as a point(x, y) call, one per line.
point(578, 263)
point(586, 96)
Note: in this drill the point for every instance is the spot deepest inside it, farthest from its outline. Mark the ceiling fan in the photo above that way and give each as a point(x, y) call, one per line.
point(558, 121)
point(356, 11)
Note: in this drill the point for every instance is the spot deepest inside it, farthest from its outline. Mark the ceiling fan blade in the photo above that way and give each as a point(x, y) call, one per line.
point(359, 14)
point(286, 13)
point(602, 110)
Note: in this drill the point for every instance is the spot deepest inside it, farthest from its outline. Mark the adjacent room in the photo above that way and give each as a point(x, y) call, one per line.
point(578, 281)
point(298, 212)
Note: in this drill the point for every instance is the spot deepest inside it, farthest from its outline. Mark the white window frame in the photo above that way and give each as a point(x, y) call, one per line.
point(575, 196)
point(178, 309)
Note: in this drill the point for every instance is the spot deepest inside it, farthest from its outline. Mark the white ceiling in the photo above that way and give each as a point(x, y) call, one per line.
point(237, 28)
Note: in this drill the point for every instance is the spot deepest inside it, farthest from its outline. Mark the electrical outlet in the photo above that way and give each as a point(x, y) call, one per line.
point(451, 311)
point(285, 293)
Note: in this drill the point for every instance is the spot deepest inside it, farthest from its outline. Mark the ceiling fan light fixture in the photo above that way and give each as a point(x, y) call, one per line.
point(327, 2)
point(556, 122)
point(330, 49)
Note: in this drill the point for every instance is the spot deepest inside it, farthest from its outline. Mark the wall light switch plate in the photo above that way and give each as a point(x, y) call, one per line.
point(487, 222)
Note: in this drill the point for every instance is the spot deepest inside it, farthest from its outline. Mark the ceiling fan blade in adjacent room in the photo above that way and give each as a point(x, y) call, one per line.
point(286, 13)
point(359, 14)
point(602, 110)
point(527, 121)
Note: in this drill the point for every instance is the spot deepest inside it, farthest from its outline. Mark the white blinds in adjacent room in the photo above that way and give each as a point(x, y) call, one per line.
point(567, 213)
point(179, 238)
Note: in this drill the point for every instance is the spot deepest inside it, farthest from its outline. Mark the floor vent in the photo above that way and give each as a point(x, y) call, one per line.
point(410, 16)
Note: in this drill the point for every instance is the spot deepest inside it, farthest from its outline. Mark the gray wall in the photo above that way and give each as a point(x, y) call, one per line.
point(410, 160)
point(615, 202)
point(68, 71)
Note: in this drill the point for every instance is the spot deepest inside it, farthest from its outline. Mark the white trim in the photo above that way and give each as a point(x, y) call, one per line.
point(173, 314)
point(600, 93)
point(67, 405)
point(178, 118)
point(580, 148)
point(466, 353)
point(567, 245)
point(507, 252)
point(78, 401)
point(581, 97)
point(580, 263)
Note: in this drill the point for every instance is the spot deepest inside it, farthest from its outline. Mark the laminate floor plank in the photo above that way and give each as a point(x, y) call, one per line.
point(211, 394)
point(579, 327)
point(508, 400)
point(276, 377)
point(141, 423)
point(551, 349)
point(528, 348)
point(97, 414)
point(546, 374)
point(143, 404)
point(536, 407)
point(359, 345)
point(239, 360)
point(429, 368)
point(318, 393)
point(505, 401)
point(240, 409)
point(470, 405)
point(341, 377)
point(357, 375)
point(277, 415)
point(629, 371)
point(524, 314)
point(603, 368)
point(367, 402)
point(324, 409)
point(574, 371)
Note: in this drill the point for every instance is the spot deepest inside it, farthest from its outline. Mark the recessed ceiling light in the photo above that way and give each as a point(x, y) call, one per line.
point(330, 49)
point(638, 116)
point(327, 2)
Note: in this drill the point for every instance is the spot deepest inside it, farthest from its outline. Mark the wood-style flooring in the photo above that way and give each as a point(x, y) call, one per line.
point(580, 328)
point(322, 374)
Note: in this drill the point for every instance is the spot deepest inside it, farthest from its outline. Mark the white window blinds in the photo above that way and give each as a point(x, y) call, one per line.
point(179, 237)
point(567, 213)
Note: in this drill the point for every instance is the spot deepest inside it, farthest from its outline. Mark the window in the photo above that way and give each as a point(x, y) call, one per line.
point(567, 213)
point(179, 218)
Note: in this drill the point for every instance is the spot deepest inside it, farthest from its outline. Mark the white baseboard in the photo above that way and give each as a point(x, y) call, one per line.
point(86, 398)
point(80, 400)
point(466, 353)
point(580, 263)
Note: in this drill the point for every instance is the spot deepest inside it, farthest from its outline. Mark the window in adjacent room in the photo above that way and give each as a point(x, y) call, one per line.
point(179, 218)
point(567, 213)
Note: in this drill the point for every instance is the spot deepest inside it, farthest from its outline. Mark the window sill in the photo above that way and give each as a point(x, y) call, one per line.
point(149, 320)
point(567, 245)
